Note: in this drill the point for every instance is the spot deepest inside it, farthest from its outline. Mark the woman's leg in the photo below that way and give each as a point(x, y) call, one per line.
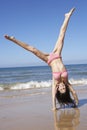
point(59, 44)
point(35, 51)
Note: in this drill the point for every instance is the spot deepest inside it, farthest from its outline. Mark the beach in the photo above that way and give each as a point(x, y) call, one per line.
point(32, 110)
point(26, 100)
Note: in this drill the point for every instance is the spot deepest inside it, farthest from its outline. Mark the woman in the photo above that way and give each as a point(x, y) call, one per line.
point(54, 60)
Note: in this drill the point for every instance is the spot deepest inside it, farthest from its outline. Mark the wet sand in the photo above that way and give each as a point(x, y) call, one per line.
point(31, 110)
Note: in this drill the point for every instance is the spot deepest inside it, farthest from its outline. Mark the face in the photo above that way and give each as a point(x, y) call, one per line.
point(61, 88)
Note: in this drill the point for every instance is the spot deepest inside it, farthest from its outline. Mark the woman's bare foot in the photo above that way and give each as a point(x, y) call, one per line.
point(70, 12)
point(8, 37)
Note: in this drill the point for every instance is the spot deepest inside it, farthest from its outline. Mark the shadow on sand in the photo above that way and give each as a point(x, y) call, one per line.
point(82, 102)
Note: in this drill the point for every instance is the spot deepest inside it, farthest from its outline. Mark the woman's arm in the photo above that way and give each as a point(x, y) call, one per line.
point(59, 44)
point(54, 90)
point(35, 51)
point(73, 93)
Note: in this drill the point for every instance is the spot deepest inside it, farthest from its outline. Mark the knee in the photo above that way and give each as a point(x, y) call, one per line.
point(34, 50)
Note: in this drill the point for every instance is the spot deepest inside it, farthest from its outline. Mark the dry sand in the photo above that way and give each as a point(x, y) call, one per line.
point(31, 110)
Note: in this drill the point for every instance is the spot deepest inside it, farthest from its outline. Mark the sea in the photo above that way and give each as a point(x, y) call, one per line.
point(25, 78)
point(22, 89)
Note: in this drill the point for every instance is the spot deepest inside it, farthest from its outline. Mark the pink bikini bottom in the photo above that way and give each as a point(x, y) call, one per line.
point(58, 75)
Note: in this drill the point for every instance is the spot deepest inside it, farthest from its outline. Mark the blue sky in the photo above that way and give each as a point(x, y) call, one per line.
point(37, 22)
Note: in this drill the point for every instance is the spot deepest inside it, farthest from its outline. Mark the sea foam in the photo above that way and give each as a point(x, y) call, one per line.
point(37, 84)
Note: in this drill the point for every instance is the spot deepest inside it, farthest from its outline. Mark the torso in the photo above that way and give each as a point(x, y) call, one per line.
point(59, 70)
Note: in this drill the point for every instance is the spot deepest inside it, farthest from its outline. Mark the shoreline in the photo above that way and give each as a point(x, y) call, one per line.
point(33, 111)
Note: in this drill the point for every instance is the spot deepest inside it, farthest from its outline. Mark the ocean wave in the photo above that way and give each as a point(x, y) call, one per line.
point(27, 85)
point(32, 84)
point(78, 81)
point(1, 88)
point(36, 84)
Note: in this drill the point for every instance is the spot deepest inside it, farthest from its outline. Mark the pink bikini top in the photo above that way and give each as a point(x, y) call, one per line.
point(52, 57)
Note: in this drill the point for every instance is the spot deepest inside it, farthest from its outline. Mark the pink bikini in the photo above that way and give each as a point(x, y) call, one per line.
point(53, 56)
point(57, 75)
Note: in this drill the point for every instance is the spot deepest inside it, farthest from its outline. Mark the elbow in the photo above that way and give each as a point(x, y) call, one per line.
point(74, 92)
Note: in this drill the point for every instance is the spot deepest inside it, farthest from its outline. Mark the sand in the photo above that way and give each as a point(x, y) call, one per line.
point(32, 110)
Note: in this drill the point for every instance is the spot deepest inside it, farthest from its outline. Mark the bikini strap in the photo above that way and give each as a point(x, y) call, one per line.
point(52, 57)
